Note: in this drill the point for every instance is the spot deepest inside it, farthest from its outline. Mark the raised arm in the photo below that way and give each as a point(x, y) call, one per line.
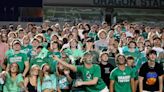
point(71, 67)
point(87, 83)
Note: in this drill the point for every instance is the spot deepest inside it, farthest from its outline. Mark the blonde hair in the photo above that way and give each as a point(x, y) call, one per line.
point(32, 68)
point(100, 31)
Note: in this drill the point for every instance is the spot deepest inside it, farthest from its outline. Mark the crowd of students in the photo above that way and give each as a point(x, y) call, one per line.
point(124, 57)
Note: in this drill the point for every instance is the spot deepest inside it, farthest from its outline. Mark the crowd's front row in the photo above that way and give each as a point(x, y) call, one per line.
point(123, 78)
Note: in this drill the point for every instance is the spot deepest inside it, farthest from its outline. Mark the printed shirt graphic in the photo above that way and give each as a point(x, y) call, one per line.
point(63, 82)
point(37, 61)
point(151, 78)
point(122, 79)
point(89, 74)
point(105, 72)
point(19, 58)
point(150, 75)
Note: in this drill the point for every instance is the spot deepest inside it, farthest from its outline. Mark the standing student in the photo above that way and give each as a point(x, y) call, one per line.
point(90, 79)
point(130, 63)
point(121, 78)
point(64, 78)
point(106, 67)
point(3, 49)
point(19, 58)
point(150, 74)
point(46, 82)
point(30, 81)
point(13, 79)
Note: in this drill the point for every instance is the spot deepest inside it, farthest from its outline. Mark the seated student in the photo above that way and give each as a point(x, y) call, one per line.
point(13, 79)
point(46, 82)
point(106, 67)
point(91, 74)
point(30, 82)
point(122, 77)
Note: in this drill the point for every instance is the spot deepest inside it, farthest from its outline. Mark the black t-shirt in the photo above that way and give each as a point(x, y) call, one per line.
point(151, 81)
point(105, 72)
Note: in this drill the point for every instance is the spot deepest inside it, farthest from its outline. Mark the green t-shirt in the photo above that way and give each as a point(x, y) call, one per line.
point(48, 82)
point(32, 54)
point(63, 82)
point(141, 61)
point(123, 29)
point(122, 79)
point(75, 53)
point(10, 52)
point(51, 61)
point(26, 49)
point(89, 74)
point(136, 54)
point(45, 44)
point(37, 61)
point(47, 37)
point(92, 35)
point(135, 72)
point(11, 85)
point(20, 59)
point(144, 34)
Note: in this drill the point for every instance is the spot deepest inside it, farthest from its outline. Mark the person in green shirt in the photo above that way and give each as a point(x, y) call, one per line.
point(90, 79)
point(131, 50)
point(122, 77)
point(35, 43)
point(46, 82)
point(19, 58)
point(48, 34)
point(13, 79)
point(130, 63)
point(92, 33)
point(38, 60)
point(54, 51)
point(26, 47)
point(73, 52)
point(64, 78)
